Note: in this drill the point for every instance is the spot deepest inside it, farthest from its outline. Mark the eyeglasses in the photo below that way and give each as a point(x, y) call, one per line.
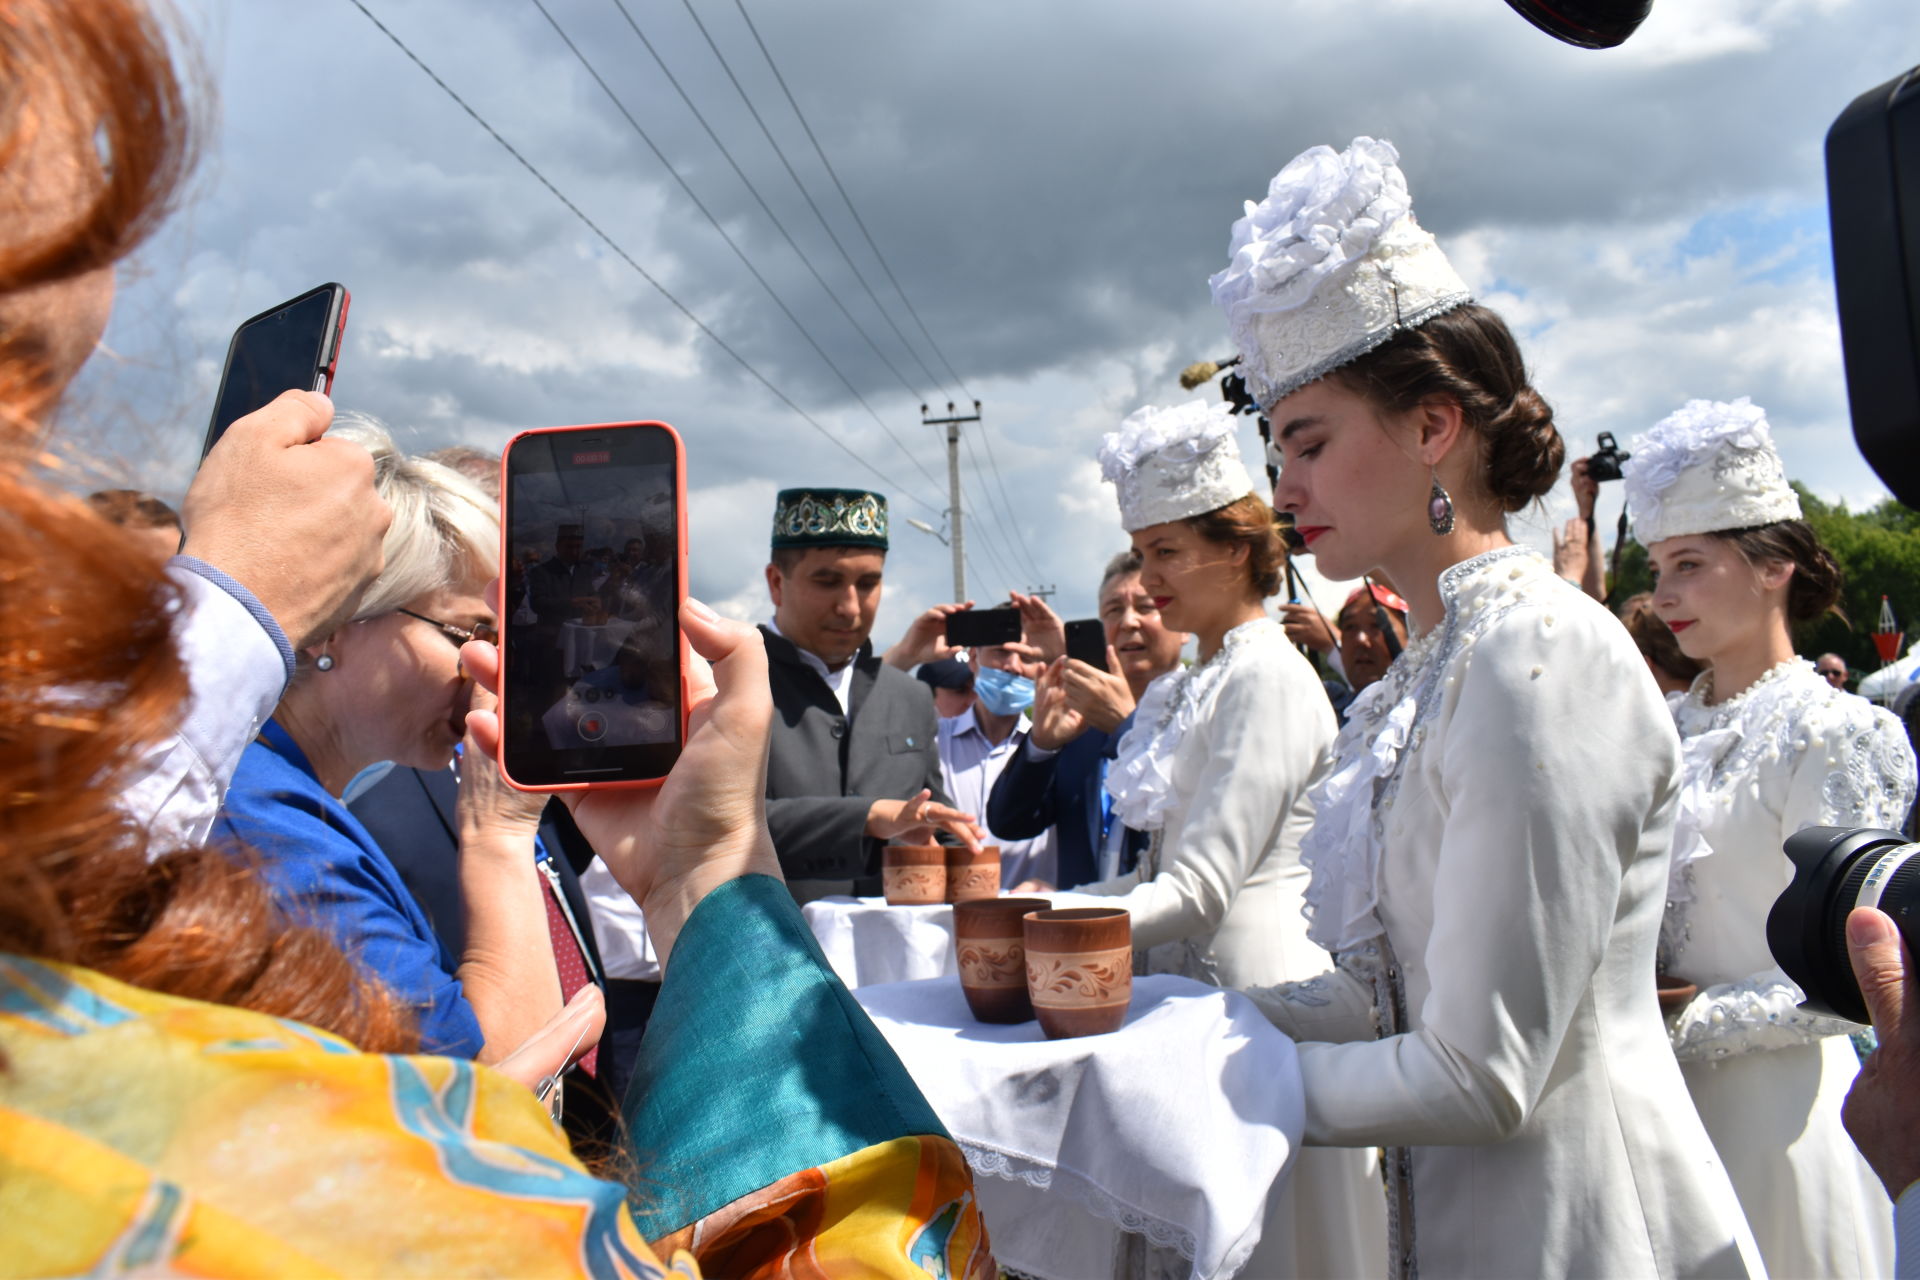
point(1831, 673)
point(457, 636)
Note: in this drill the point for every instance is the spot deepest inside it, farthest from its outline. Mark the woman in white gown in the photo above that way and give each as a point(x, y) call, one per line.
point(1216, 768)
point(1769, 748)
point(1488, 856)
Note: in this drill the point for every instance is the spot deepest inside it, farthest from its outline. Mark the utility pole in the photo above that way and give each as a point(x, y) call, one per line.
point(952, 423)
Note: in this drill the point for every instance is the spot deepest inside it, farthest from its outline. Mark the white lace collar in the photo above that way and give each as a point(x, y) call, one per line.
point(1140, 780)
point(1342, 851)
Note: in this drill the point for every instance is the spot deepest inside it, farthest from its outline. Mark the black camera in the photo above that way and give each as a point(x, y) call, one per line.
point(1836, 869)
point(1604, 463)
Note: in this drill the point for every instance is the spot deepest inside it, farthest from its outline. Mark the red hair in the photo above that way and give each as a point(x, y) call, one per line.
point(89, 673)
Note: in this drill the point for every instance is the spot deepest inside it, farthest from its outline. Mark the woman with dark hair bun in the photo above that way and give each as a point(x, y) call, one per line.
point(1769, 748)
point(1488, 852)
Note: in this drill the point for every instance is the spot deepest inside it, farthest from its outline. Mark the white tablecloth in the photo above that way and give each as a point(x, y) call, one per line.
point(1175, 1127)
point(867, 942)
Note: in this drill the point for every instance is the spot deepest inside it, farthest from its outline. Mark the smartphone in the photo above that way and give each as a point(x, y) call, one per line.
point(1087, 641)
point(294, 346)
point(593, 570)
point(971, 627)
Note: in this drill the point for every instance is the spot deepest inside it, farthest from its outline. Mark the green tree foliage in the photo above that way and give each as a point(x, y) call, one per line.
point(1879, 553)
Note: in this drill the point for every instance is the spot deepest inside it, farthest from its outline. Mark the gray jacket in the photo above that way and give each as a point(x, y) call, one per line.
point(823, 773)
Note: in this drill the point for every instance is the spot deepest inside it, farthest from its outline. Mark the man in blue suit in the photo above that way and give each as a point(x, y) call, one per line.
point(1060, 784)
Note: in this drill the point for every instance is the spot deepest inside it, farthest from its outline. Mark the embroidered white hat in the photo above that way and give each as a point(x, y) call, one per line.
point(1707, 467)
point(1329, 266)
point(1171, 463)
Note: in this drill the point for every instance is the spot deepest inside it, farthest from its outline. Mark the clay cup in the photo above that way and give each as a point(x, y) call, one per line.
point(1079, 969)
point(972, 876)
point(914, 875)
point(989, 939)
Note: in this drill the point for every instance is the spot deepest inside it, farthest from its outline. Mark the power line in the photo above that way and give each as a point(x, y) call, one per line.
point(806, 195)
point(764, 206)
point(731, 243)
point(1010, 531)
point(857, 220)
point(993, 459)
point(628, 258)
point(986, 544)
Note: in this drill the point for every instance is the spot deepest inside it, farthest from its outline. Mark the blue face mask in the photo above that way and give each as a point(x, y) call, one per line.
point(1004, 693)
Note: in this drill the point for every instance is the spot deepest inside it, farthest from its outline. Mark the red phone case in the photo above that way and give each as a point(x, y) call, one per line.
point(339, 336)
point(680, 594)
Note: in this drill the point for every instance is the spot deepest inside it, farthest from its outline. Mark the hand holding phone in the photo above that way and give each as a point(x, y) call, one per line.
point(292, 347)
point(704, 825)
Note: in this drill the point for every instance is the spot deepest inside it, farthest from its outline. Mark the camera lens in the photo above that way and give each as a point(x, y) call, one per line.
point(1836, 869)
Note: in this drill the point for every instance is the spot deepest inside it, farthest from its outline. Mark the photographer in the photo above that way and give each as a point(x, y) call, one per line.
point(1882, 1111)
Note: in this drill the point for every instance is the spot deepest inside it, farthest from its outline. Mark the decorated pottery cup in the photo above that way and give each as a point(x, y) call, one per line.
point(971, 876)
point(914, 875)
point(1079, 969)
point(989, 938)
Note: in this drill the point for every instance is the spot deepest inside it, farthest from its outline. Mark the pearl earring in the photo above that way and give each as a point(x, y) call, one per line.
point(323, 663)
point(1439, 508)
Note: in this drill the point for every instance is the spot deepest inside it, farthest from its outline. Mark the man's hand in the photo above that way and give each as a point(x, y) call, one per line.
point(1305, 625)
point(926, 638)
point(291, 515)
point(1041, 626)
point(1102, 698)
point(1882, 1110)
point(1586, 490)
point(707, 823)
point(1570, 554)
point(1056, 722)
point(917, 820)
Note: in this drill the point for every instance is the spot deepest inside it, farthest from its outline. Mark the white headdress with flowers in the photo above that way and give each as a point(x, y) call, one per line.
point(1329, 266)
point(1171, 463)
point(1707, 467)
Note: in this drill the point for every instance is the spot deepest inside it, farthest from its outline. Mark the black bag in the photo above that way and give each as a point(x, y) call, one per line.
point(1873, 200)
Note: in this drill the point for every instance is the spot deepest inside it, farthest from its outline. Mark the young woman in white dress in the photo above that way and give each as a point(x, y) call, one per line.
point(1488, 857)
point(1769, 747)
point(1216, 769)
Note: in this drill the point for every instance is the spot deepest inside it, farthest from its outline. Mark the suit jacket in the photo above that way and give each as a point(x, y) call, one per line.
point(410, 813)
point(825, 768)
point(1062, 792)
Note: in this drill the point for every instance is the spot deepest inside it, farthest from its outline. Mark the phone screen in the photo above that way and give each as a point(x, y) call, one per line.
point(591, 627)
point(972, 627)
point(285, 349)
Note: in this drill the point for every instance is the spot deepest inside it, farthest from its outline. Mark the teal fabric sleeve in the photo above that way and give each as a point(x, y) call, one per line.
point(756, 1064)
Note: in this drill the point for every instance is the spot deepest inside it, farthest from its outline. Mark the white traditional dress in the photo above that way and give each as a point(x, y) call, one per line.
point(1788, 752)
point(1489, 862)
point(1217, 767)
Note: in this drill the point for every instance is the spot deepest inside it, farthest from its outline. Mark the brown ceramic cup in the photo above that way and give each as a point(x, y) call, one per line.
point(1079, 969)
point(971, 876)
point(914, 875)
point(989, 939)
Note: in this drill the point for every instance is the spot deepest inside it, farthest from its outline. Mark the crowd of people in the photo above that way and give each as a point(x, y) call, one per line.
point(290, 979)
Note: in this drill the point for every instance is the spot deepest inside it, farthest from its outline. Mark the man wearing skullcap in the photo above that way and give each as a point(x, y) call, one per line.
point(854, 761)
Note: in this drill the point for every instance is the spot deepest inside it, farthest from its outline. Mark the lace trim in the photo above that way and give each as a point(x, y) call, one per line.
point(1769, 725)
point(1140, 780)
point(991, 1162)
point(1760, 1013)
point(1385, 723)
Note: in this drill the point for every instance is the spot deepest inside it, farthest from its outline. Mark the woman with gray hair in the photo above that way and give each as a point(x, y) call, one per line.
point(387, 686)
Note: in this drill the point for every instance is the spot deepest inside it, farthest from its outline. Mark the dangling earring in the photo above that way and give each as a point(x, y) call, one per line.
point(323, 663)
point(1440, 508)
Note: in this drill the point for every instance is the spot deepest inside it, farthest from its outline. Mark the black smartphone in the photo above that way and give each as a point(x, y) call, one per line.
point(294, 346)
point(1087, 641)
point(593, 570)
point(971, 627)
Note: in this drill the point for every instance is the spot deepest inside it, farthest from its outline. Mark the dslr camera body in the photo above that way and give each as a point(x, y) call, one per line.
point(1603, 464)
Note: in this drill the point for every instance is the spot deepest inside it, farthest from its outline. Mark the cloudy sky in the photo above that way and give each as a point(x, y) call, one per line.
point(1050, 184)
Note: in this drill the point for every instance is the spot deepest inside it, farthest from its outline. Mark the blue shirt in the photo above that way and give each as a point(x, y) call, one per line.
point(326, 870)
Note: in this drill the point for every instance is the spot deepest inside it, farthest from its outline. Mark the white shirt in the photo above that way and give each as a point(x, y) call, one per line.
point(619, 926)
point(236, 672)
point(841, 681)
point(970, 764)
